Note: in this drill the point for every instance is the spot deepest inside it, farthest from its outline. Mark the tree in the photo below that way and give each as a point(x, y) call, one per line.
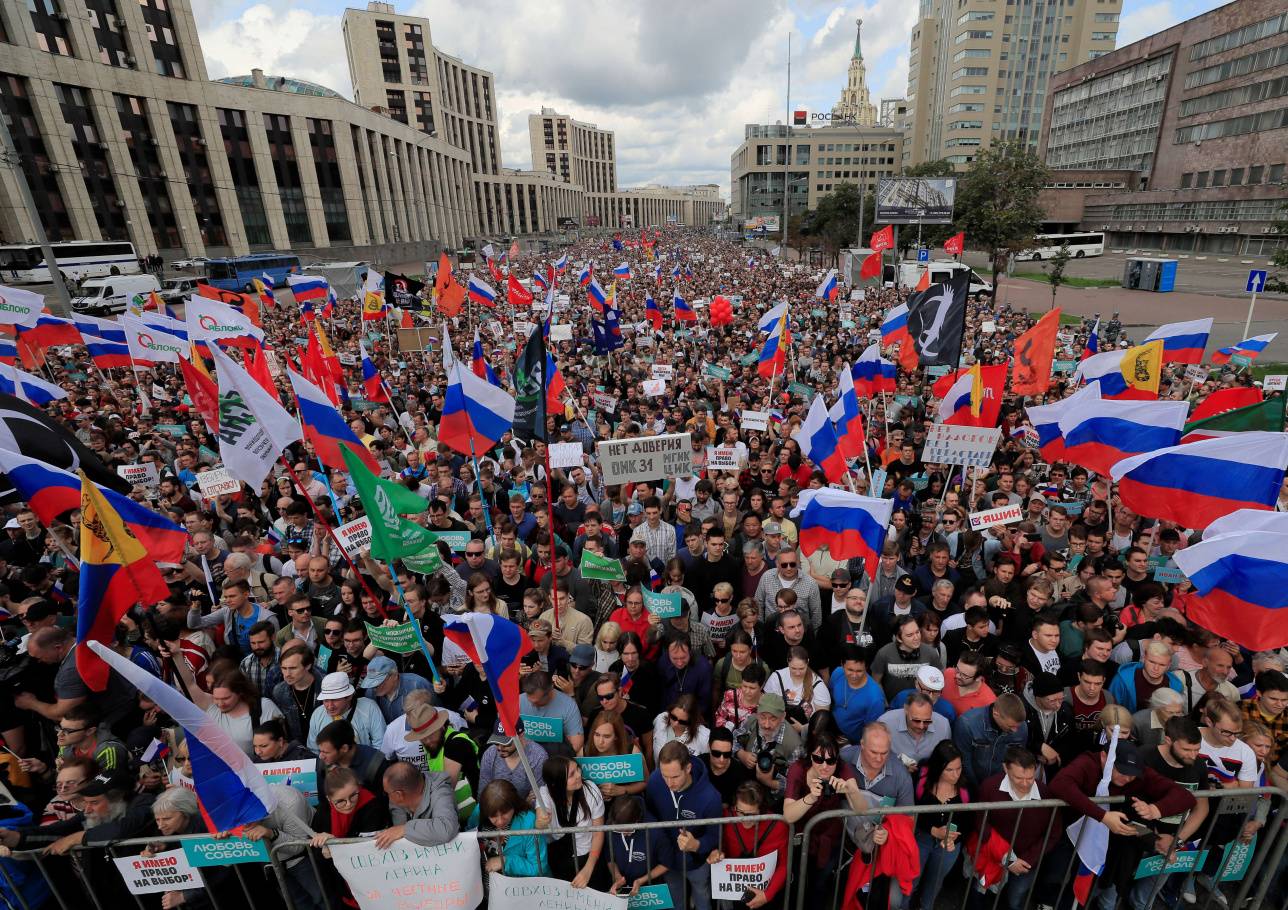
point(940, 168)
point(997, 201)
point(1055, 270)
point(837, 219)
point(1279, 277)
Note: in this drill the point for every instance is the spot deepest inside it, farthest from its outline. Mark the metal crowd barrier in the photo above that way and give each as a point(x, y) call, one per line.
point(1267, 862)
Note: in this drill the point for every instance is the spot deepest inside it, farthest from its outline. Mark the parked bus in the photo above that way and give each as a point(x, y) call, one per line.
point(26, 264)
point(236, 274)
point(1046, 246)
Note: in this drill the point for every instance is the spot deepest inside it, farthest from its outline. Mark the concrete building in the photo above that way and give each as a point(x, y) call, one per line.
point(573, 151)
point(978, 70)
point(856, 107)
point(820, 160)
point(1195, 117)
point(122, 137)
point(514, 203)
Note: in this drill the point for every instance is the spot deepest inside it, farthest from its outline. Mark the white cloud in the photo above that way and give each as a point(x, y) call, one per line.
point(1146, 20)
point(296, 43)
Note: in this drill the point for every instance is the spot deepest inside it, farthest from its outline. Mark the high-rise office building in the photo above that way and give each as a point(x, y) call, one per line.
point(575, 152)
point(978, 70)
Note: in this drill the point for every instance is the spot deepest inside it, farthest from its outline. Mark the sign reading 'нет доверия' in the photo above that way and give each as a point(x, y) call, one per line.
point(648, 458)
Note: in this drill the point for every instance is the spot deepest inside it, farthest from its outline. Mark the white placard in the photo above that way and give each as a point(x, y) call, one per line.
point(169, 871)
point(604, 402)
point(355, 536)
point(644, 341)
point(445, 877)
point(663, 371)
point(754, 420)
point(654, 458)
point(1275, 382)
point(523, 329)
point(731, 877)
point(722, 458)
point(217, 482)
point(1196, 372)
point(566, 454)
point(145, 474)
point(654, 387)
point(506, 893)
point(561, 332)
point(988, 327)
point(989, 518)
point(965, 446)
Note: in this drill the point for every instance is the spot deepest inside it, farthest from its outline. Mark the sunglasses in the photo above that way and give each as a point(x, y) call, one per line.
point(822, 759)
point(840, 584)
point(721, 754)
point(788, 565)
point(676, 719)
point(723, 600)
point(609, 697)
point(331, 633)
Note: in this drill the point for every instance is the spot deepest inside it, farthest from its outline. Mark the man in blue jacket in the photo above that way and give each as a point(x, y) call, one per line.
point(983, 735)
point(679, 789)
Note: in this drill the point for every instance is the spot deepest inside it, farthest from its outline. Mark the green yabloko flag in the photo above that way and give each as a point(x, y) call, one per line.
point(1265, 415)
point(392, 536)
point(599, 568)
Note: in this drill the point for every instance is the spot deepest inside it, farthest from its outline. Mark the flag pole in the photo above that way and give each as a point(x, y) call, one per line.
point(550, 511)
point(415, 622)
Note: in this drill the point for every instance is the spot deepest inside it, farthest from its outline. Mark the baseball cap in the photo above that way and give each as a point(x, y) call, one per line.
point(499, 737)
point(771, 704)
point(635, 509)
point(931, 678)
point(335, 685)
point(1127, 760)
point(102, 784)
point(906, 585)
point(377, 672)
point(583, 656)
point(12, 525)
point(772, 527)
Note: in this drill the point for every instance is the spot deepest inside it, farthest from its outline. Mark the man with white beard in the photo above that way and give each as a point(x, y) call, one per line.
point(112, 811)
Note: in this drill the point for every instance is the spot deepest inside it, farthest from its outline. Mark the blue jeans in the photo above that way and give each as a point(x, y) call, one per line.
point(698, 886)
point(1017, 889)
point(936, 863)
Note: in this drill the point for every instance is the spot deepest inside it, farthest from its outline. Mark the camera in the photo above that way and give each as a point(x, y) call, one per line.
point(765, 761)
point(826, 789)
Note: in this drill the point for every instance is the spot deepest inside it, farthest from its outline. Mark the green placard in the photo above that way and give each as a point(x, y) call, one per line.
point(400, 639)
point(209, 851)
point(457, 540)
point(663, 606)
point(613, 769)
point(1063, 366)
point(719, 372)
point(424, 562)
point(1241, 360)
point(748, 359)
point(594, 567)
point(800, 388)
point(1184, 862)
point(651, 897)
point(542, 729)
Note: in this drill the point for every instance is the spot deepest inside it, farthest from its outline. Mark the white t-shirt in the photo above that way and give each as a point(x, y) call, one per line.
point(596, 803)
point(780, 683)
point(1049, 661)
point(241, 729)
point(1226, 764)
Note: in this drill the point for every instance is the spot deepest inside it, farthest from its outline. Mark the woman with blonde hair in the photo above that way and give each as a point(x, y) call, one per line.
point(606, 646)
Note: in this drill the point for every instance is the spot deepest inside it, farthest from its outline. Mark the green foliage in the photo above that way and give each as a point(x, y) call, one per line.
point(1055, 270)
point(1278, 279)
point(835, 223)
point(940, 168)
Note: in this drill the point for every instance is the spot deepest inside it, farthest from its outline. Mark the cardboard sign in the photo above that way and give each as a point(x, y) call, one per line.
point(971, 447)
point(542, 729)
point(561, 332)
point(566, 454)
point(145, 474)
point(505, 893)
point(988, 327)
point(654, 387)
point(169, 871)
point(731, 877)
point(298, 775)
point(401, 639)
point(651, 897)
point(663, 606)
point(217, 482)
point(663, 371)
point(754, 420)
point(604, 402)
point(1196, 372)
point(413, 877)
point(456, 540)
point(355, 536)
point(1169, 575)
point(523, 329)
point(613, 769)
point(210, 851)
point(654, 458)
point(1004, 515)
point(722, 458)
point(1275, 382)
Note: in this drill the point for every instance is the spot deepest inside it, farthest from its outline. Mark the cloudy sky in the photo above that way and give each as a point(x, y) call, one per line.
point(676, 79)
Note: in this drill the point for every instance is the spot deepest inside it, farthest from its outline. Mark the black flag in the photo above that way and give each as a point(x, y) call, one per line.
point(530, 388)
point(404, 292)
point(30, 431)
point(937, 321)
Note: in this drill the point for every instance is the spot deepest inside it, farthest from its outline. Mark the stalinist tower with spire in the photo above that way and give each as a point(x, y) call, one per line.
point(855, 105)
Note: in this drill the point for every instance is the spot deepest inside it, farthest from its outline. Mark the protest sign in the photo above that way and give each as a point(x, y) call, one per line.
point(401, 639)
point(506, 893)
point(145, 474)
point(1000, 516)
point(717, 372)
point(662, 371)
point(457, 540)
point(411, 877)
point(801, 389)
point(1185, 861)
point(566, 454)
point(748, 359)
point(877, 487)
point(168, 871)
point(754, 420)
point(1063, 366)
point(542, 729)
point(600, 568)
point(653, 458)
point(1168, 575)
point(298, 775)
point(1241, 360)
point(604, 401)
point(1275, 382)
point(424, 562)
point(1196, 372)
point(211, 851)
point(966, 446)
point(654, 387)
point(663, 606)
point(523, 329)
point(651, 897)
point(731, 877)
point(355, 536)
point(613, 769)
point(217, 482)
point(722, 458)
point(1235, 860)
point(561, 331)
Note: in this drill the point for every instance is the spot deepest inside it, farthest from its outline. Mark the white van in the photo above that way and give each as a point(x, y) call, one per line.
point(110, 295)
point(941, 271)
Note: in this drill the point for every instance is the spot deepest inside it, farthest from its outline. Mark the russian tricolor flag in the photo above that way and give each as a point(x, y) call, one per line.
point(773, 353)
point(540, 280)
point(555, 385)
point(482, 369)
point(1242, 582)
point(480, 292)
point(597, 296)
point(373, 388)
point(683, 312)
point(326, 428)
point(107, 329)
point(1099, 434)
point(107, 354)
point(652, 313)
point(498, 645)
point(561, 264)
point(586, 274)
point(829, 288)
point(1092, 346)
point(30, 388)
point(873, 375)
point(476, 414)
point(1249, 347)
point(847, 414)
point(622, 271)
point(817, 439)
point(894, 327)
point(1046, 422)
point(1183, 342)
point(8, 352)
point(306, 289)
point(1196, 483)
point(849, 525)
point(769, 320)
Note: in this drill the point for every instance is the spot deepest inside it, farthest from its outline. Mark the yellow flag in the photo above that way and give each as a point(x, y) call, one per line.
point(1142, 367)
point(976, 390)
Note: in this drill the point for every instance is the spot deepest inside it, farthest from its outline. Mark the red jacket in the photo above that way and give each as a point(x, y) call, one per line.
point(897, 858)
point(743, 843)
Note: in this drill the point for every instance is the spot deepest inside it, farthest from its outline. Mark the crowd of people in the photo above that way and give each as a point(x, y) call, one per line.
point(1003, 664)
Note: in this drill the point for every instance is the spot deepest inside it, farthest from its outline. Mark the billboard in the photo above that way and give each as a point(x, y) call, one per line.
point(769, 224)
point(567, 224)
point(913, 200)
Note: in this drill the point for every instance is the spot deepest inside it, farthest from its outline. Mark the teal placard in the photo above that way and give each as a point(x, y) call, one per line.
point(174, 429)
point(324, 656)
point(1063, 366)
point(748, 359)
point(1169, 575)
point(542, 729)
point(800, 388)
point(818, 313)
point(1241, 360)
point(1184, 862)
point(847, 323)
point(1236, 859)
point(210, 851)
point(613, 769)
point(719, 372)
point(1074, 508)
point(663, 606)
point(877, 487)
point(939, 369)
point(651, 897)
point(457, 540)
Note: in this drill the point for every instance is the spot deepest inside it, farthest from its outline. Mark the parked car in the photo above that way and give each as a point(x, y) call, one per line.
point(176, 289)
point(108, 296)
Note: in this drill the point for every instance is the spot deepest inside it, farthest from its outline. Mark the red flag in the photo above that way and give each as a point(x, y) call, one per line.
point(517, 294)
point(450, 295)
point(1034, 352)
point(924, 283)
point(405, 321)
point(314, 366)
point(871, 267)
point(201, 389)
point(908, 356)
point(955, 244)
point(496, 272)
point(1224, 400)
point(882, 240)
point(257, 368)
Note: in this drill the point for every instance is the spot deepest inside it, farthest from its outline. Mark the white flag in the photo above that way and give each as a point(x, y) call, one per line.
point(254, 428)
point(210, 320)
point(20, 307)
point(149, 345)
